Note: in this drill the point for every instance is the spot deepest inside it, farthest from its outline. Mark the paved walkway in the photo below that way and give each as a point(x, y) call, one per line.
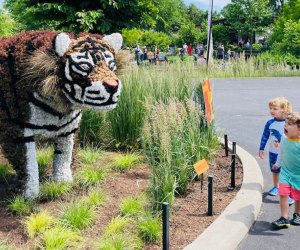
point(241, 109)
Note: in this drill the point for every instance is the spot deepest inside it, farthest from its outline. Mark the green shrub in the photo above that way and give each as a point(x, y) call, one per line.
point(120, 242)
point(95, 198)
point(257, 46)
point(59, 238)
point(20, 205)
point(125, 162)
point(78, 215)
point(51, 190)
point(37, 223)
point(117, 226)
point(90, 155)
point(90, 177)
point(132, 205)
point(150, 229)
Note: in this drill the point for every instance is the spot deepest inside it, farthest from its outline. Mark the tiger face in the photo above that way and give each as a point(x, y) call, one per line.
point(89, 72)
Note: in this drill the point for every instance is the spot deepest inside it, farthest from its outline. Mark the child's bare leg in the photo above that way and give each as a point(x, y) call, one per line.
point(276, 179)
point(297, 207)
point(284, 206)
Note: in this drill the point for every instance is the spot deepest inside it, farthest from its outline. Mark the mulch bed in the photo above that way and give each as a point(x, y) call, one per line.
point(189, 215)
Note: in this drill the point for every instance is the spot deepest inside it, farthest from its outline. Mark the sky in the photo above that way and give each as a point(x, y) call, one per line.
point(203, 4)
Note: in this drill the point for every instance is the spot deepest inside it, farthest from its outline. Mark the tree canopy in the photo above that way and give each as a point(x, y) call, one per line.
point(103, 16)
point(285, 37)
point(248, 16)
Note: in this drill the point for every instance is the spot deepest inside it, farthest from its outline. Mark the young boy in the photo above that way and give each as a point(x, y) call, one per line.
point(273, 132)
point(289, 179)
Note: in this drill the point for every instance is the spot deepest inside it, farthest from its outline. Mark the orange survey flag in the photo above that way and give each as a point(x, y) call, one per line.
point(208, 101)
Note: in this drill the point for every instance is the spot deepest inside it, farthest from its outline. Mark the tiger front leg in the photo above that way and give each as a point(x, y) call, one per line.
point(63, 147)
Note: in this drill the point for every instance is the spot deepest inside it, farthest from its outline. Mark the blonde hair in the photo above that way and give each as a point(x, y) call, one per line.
point(293, 118)
point(282, 103)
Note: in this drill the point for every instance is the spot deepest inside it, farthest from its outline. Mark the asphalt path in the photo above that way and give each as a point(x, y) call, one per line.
point(241, 111)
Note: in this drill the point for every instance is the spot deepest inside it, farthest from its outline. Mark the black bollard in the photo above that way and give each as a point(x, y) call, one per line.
point(234, 147)
point(226, 145)
point(166, 226)
point(210, 195)
point(232, 185)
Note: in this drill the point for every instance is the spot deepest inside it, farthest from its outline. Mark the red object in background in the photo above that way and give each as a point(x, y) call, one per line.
point(190, 49)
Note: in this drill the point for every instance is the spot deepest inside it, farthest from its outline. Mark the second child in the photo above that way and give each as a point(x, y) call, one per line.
point(289, 179)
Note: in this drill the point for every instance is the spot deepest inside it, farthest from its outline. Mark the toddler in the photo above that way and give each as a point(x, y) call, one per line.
point(289, 179)
point(273, 132)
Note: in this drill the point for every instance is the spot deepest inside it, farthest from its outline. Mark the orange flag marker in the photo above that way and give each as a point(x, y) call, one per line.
point(201, 166)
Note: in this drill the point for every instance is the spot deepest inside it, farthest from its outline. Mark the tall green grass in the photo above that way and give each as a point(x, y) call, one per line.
point(160, 83)
point(175, 136)
point(93, 129)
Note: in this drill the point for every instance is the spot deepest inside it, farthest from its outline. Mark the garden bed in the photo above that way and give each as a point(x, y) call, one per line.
point(189, 216)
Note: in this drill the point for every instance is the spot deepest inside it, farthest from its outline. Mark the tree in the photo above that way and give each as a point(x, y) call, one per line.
point(196, 16)
point(188, 34)
point(8, 26)
point(132, 36)
point(248, 16)
point(171, 14)
point(159, 39)
point(285, 37)
point(103, 16)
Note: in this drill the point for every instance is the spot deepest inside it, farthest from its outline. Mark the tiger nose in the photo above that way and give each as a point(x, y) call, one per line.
point(111, 85)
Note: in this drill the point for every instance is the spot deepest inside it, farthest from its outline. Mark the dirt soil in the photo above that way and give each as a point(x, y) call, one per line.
point(188, 219)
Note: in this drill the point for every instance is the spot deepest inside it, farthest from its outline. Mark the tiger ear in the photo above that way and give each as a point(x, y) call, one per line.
point(62, 42)
point(115, 40)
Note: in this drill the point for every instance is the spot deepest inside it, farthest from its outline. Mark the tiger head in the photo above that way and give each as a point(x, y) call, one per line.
point(89, 71)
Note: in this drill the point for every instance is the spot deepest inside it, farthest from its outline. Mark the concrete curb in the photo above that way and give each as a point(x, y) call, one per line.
point(229, 229)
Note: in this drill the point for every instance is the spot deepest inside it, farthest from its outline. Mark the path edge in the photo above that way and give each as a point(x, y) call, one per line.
point(230, 228)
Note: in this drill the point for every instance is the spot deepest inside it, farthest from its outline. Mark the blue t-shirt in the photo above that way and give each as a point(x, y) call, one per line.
point(273, 132)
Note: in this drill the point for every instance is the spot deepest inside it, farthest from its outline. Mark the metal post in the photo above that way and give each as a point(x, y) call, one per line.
point(234, 147)
point(232, 185)
point(226, 145)
point(166, 226)
point(210, 195)
point(201, 181)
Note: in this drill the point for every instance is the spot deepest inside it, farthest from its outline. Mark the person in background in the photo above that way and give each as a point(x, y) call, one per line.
point(190, 49)
point(155, 55)
point(150, 56)
point(273, 131)
point(185, 48)
point(145, 54)
point(220, 52)
point(289, 179)
point(137, 54)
